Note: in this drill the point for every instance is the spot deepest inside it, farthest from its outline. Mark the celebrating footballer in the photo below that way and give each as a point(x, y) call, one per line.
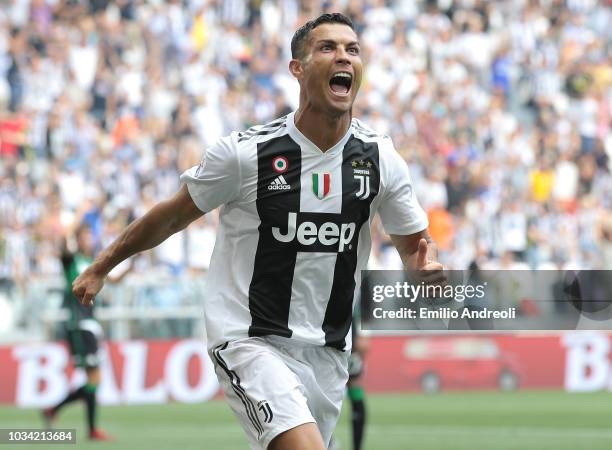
point(297, 197)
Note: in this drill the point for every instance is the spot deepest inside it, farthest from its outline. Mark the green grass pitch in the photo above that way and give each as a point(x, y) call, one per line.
point(528, 420)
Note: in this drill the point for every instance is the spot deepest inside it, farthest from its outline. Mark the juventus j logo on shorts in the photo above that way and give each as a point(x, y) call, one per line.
point(265, 409)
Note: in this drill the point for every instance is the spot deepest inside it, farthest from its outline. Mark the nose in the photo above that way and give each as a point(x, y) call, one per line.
point(342, 56)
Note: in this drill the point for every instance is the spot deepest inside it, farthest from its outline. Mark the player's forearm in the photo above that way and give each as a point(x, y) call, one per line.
point(410, 259)
point(143, 234)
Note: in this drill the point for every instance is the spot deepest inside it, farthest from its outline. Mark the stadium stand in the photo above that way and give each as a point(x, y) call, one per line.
point(502, 110)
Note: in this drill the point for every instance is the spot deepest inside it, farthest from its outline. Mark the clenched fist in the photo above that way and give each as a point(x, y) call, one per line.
point(87, 285)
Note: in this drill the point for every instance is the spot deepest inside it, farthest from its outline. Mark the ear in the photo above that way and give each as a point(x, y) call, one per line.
point(296, 68)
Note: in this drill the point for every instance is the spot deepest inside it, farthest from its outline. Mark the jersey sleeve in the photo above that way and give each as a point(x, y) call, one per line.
point(217, 179)
point(399, 210)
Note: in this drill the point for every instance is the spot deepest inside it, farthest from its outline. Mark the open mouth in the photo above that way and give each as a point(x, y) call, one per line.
point(340, 83)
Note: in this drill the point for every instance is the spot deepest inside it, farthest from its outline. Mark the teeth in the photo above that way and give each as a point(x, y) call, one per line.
point(343, 75)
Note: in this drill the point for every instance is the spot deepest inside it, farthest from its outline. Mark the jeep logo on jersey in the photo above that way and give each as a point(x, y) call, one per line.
point(308, 233)
point(320, 184)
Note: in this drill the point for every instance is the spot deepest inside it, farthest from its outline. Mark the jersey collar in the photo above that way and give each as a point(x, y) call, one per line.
point(307, 144)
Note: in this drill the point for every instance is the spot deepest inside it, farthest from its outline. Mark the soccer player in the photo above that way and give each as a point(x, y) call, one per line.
point(82, 333)
point(356, 392)
point(297, 196)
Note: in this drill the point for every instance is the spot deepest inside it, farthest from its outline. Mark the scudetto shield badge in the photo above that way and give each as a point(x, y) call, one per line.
point(320, 184)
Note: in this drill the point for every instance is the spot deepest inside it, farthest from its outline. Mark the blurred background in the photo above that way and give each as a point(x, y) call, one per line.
point(502, 110)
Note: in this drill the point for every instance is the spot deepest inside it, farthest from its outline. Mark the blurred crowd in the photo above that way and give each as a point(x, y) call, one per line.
point(502, 109)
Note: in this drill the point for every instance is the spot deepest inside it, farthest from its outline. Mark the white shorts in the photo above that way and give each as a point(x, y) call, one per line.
point(274, 384)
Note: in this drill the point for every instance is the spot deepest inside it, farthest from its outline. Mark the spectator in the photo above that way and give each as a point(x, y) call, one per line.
point(501, 108)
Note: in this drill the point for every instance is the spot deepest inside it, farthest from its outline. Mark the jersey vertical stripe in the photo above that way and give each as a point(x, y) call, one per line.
point(359, 160)
point(270, 289)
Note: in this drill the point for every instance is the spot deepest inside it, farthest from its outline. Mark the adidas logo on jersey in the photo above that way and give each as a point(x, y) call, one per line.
point(279, 184)
point(307, 233)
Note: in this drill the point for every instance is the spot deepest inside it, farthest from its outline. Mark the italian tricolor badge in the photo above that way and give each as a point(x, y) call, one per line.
point(320, 184)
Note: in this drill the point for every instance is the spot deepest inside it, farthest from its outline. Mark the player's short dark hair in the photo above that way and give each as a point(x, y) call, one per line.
point(301, 35)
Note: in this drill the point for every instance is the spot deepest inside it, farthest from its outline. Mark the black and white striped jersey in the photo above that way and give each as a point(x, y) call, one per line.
point(294, 229)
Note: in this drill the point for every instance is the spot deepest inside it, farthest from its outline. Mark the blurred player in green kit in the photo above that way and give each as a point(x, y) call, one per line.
point(356, 392)
point(82, 331)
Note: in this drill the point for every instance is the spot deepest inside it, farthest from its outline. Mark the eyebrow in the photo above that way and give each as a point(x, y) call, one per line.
point(331, 41)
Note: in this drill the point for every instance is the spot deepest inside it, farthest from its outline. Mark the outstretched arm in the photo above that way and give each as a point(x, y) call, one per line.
point(161, 222)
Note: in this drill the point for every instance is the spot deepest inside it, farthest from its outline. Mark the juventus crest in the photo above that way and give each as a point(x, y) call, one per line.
point(361, 173)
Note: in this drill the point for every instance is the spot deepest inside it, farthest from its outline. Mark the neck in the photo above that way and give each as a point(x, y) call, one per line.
point(321, 129)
